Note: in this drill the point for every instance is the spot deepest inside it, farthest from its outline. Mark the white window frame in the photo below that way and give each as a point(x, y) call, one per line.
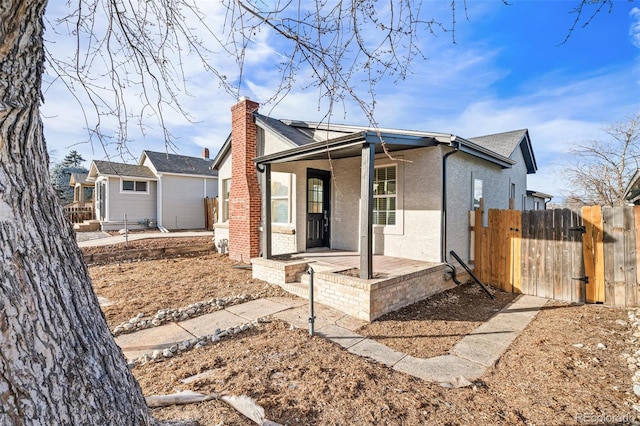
point(225, 196)
point(476, 205)
point(388, 196)
point(135, 184)
point(288, 197)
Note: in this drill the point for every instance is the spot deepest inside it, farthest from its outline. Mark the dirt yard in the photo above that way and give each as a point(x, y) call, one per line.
point(566, 368)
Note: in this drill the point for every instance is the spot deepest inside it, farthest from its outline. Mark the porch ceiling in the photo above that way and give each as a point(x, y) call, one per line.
point(350, 146)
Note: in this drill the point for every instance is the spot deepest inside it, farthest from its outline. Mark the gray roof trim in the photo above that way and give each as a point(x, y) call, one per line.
point(286, 133)
point(353, 129)
point(224, 150)
point(632, 191)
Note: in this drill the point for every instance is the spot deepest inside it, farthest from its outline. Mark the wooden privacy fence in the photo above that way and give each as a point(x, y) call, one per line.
point(210, 212)
point(590, 255)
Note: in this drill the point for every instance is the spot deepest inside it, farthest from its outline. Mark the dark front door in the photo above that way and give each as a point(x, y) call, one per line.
point(318, 214)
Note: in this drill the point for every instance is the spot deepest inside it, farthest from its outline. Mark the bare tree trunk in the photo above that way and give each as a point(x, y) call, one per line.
point(58, 361)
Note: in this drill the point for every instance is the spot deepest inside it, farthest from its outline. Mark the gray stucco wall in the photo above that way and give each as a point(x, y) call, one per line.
point(462, 169)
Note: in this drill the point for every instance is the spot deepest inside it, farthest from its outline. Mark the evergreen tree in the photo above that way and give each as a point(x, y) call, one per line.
point(73, 159)
point(61, 175)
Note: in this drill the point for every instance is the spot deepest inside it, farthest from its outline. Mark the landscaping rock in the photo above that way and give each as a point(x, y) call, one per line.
point(181, 314)
point(195, 343)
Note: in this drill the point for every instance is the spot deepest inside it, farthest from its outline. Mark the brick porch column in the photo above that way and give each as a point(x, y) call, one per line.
point(244, 200)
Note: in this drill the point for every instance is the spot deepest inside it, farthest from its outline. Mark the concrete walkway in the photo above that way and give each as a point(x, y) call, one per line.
point(106, 239)
point(470, 358)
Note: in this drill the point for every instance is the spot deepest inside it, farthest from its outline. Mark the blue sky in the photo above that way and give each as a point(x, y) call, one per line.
point(508, 70)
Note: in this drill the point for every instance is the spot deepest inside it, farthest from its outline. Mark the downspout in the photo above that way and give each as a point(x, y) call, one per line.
point(443, 221)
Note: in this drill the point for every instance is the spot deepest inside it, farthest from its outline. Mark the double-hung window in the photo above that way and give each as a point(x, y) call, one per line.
point(384, 195)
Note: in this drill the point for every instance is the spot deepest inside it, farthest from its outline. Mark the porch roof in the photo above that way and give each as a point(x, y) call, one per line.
point(351, 146)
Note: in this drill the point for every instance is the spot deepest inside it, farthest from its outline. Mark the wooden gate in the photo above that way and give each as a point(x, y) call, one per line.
point(210, 212)
point(552, 255)
point(589, 255)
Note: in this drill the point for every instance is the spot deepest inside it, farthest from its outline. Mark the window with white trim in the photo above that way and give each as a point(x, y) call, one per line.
point(384, 195)
point(280, 197)
point(226, 192)
point(477, 193)
point(134, 186)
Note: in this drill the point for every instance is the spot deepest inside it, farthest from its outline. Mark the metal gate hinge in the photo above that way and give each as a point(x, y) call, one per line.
point(585, 279)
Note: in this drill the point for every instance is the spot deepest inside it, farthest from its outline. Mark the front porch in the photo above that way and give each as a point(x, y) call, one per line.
point(395, 282)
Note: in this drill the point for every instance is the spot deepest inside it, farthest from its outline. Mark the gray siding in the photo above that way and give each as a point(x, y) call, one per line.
point(136, 205)
point(183, 201)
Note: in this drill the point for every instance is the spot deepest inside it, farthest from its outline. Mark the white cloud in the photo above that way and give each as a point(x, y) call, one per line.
point(634, 30)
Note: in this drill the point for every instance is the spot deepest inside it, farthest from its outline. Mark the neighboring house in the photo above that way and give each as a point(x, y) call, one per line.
point(537, 200)
point(398, 193)
point(163, 190)
point(632, 193)
point(82, 189)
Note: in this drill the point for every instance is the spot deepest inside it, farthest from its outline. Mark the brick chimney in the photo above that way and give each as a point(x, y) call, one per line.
point(244, 200)
point(205, 153)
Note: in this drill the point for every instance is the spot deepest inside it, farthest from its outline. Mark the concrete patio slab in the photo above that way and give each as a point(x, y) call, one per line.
point(440, 369)
point(299, 317)
point(350, 323)
point(290, 302)
point(340, 335)
point(256, 309)
point(496, 332)
point(207, 324)
point(513, 321)
point(377, 351)
point(479, 349)
point(526, 303)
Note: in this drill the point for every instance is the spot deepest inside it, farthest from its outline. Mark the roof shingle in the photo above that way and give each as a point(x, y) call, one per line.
point(123, 169)
point(180, 164)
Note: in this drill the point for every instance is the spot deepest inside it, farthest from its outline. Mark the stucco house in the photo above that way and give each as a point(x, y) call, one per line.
point(290, 186)
point(163, 190)
point(423, 186)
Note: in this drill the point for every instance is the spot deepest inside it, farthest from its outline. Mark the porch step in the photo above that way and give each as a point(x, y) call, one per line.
point(87, 226)
point(296, 288)
point(322, 267)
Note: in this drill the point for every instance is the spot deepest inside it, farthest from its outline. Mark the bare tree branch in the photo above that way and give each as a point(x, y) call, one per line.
point(599, 170)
